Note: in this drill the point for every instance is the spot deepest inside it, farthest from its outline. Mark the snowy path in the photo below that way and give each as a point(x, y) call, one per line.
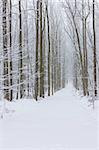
point(58, 123)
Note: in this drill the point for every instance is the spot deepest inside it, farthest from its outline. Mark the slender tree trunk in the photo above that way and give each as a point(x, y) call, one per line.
point(52, 66)
point(86, 58)
point(37, 48)
point(44, 60)
point(41, 54)
point(84, 51)
point(64, 71)
point(5, 50)
point(48, 26)
point(20, 54)
point(94, 51)
point(27, 50)
point(10, 30)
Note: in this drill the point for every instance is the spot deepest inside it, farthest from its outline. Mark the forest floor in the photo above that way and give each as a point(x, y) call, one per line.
point(61, 122)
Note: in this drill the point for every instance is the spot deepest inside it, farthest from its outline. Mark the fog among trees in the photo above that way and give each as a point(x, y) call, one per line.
point(49, 74)
point(44, 44)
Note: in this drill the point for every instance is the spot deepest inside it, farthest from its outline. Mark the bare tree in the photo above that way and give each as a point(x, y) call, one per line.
point(10, 31)
point(49, 50)
point(5, 50)
point(94, 51)
point(37, 49)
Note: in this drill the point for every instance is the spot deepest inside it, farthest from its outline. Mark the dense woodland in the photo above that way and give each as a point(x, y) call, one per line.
point(46, 43)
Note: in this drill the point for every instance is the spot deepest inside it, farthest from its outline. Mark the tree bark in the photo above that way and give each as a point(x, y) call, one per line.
point(94, 51)
point(5, 51)
point(48, 26)
point(37, 48)
point(10, 30)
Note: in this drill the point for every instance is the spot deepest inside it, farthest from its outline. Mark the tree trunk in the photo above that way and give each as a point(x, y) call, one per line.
point(5, 51)
point(21, 85)
point(10, 30)
point(48, 26)
point(37, 48)
point(94, 51)
point(41, 54)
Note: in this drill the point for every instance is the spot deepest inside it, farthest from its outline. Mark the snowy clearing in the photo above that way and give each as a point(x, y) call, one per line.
point(58, 123)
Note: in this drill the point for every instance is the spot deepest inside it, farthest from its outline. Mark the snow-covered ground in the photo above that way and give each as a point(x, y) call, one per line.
point(60, 122)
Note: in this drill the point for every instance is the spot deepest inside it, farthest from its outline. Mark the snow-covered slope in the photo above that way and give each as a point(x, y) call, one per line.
point(56, 123)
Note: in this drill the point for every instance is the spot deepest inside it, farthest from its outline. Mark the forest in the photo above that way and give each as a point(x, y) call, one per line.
point(49, 61)
point(35, 55)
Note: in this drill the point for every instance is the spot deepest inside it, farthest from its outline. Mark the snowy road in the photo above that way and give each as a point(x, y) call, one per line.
point(57, 123)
